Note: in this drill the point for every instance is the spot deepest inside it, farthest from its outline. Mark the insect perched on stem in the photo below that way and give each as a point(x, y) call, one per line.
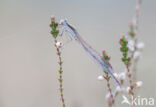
point(97, 58)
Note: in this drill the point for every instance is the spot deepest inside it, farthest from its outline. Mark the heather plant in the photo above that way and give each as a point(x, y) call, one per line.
point(58, 45)
point(130, 50)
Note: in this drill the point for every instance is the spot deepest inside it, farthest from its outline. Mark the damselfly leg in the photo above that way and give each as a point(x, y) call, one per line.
point(69, 38)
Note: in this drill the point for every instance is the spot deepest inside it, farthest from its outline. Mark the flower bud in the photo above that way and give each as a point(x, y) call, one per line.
point(122, 76)
point(131, 24)
point(103, 51)
point(52, 21)
point(140, 45)
point(138, 84)
point(137, 55)
point(131, 45)
point(100, 78)
point(122, 44)
point(59, 44)
point(120, 89)
point(52, 17)
point(116, 75)
point(124, 54)
point(129, 91)
point(108, 96)
point(120, 48)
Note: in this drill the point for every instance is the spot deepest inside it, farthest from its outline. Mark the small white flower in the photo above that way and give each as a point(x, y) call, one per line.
point(138, 84)
point(100, 78)
point(131, 45)
point(122, 76)
point(120, 89)
point(131, 42)
point(108, 96)
point(59, 44)
point(116, 75)
point(140, 45)
point(136, 55)
point(131, 48)
point(128, 89)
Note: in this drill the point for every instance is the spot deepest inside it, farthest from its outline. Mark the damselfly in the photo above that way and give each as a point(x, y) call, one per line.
point(97, 58)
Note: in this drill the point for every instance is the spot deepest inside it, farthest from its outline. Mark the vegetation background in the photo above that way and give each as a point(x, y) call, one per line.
point(28, 61)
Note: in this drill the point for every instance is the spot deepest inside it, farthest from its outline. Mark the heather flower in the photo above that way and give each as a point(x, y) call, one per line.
point(116, 75)
point(122, 76)
point(124, 49)
point(138, 84)
point(54, 26)
point(136, 55)
point(59, 44)
point(129, 90)
point(140, 45)
point(101, 78)
point(119, 89)
point(131, 45)
point(105, 56)
point(108, 95)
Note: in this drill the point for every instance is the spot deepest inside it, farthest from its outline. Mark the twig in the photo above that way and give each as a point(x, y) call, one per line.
point(55, 33)
point(112, 102)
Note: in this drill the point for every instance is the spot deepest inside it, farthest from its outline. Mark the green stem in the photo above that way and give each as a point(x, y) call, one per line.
point(60, 73)
point(107, 77)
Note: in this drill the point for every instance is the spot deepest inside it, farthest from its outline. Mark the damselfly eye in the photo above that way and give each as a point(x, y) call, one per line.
point(62, 21)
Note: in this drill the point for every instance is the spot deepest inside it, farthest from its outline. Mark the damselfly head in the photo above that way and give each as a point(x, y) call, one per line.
point(63, 21)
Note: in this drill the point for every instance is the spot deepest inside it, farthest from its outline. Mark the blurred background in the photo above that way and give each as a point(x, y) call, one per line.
point(28, 60)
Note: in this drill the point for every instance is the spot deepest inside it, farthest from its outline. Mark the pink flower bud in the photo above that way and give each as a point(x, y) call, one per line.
point(127, 48)
point(52, 21)
point(131, 24)
point(120, 48)
point(52, 17)
point(108, 57)
point(124, 53)
point(103, 51)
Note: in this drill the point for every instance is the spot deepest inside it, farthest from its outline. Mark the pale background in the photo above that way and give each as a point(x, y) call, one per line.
point(28, 61)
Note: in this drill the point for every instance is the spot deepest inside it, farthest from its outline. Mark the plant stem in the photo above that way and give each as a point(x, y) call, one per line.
point(131, 83)
point(134, 64)
point(130, 79)
point(60, 73)
point(107, 77)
